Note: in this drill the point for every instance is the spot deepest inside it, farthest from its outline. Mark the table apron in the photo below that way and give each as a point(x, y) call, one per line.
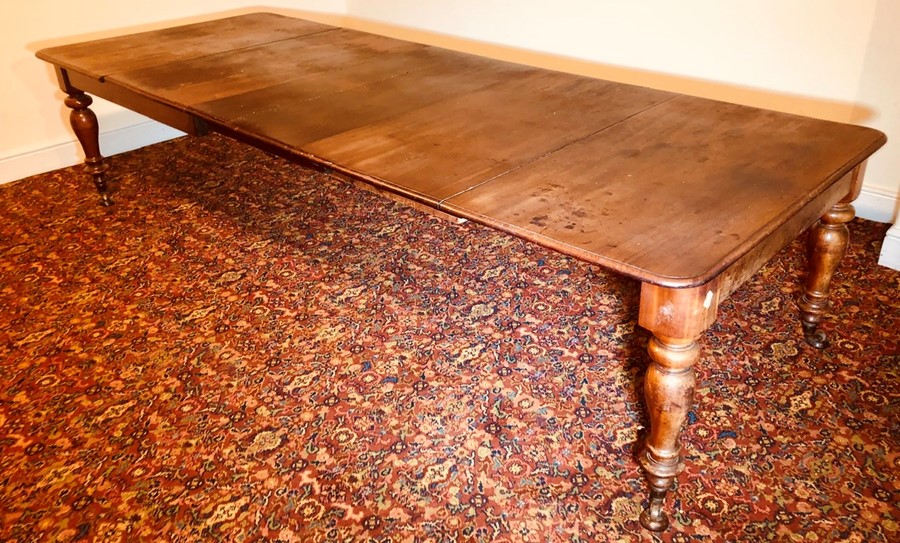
point(179, 119)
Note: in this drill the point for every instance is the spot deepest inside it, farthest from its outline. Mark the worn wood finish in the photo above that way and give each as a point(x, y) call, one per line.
point(521, 117)
point(710, 178)
point(99, 58)
point(321, 59)
point(689, 196)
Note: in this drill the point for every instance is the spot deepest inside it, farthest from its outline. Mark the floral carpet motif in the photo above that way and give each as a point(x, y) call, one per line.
point(242, 349)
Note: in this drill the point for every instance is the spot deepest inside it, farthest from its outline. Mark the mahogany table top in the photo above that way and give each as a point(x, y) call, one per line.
point(667, 188)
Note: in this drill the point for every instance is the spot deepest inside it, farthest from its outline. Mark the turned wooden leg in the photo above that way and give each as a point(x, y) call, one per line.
point(677, 318)
point(827, 244)
point(84, 123)
point(669, 393)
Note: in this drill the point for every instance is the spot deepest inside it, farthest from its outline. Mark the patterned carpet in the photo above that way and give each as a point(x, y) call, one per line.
point(242, 349)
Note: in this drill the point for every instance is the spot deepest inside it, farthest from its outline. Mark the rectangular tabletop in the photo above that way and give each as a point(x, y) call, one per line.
point(669, 189)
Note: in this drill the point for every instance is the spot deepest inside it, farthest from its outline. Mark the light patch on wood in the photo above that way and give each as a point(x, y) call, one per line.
point(667, 312)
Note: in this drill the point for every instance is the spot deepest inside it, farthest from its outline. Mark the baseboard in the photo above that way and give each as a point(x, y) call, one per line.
point(881, 205)
point(877, 204)
point(890, 250)
point(69, 153)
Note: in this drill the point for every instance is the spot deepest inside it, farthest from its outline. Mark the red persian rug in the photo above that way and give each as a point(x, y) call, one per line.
point(242, 349)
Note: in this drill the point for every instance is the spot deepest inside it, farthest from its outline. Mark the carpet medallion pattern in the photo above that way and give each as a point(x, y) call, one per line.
point(242, 349)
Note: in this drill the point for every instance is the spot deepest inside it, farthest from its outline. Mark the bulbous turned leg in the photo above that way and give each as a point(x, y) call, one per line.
point(84, 123)
point(827, 244)
point(669, 391)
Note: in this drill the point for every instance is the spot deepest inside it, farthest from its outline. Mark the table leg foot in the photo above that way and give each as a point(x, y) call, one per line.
point(654, 517)
point(813, 336)
point(84, 123)
point(827, 243)
point(669, 390)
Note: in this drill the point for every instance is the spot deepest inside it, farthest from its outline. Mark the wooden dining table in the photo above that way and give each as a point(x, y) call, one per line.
point(689, 196)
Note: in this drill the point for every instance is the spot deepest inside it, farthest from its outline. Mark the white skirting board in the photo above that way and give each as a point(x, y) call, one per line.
point(68, 153)
point(877, 204)
point(873, 203)
point(890, 250)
